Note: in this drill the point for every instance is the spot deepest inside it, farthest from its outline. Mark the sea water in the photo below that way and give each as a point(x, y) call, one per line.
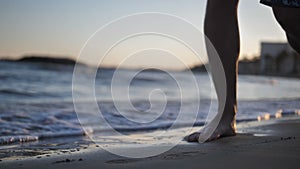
point(37, 103)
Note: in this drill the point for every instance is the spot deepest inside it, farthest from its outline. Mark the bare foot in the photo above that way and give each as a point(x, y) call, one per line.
point(221, 131)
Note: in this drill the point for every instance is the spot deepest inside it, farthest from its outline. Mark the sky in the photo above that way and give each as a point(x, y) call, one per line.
point(61, 27)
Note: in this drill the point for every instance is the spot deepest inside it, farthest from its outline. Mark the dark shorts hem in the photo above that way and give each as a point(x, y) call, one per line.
point(282, 3)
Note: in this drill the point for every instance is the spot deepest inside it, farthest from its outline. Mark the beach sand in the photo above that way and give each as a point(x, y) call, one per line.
point(267, 144)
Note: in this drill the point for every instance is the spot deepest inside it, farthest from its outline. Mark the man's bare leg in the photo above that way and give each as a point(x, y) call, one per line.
point(221, 28)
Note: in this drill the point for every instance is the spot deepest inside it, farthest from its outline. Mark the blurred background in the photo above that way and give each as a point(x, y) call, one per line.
point(40, 41)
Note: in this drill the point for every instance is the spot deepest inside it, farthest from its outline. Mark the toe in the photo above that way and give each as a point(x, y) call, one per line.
point(192, 137)
point(214, 136)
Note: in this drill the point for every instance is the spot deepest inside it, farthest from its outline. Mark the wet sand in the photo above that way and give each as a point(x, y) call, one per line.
point(267, 144)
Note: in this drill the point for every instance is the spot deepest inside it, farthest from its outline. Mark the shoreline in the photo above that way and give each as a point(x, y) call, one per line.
point(249, 110)
point(272, 143)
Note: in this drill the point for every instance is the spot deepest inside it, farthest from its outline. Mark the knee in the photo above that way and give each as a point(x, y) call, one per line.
point(289, 20)
point(294, 42)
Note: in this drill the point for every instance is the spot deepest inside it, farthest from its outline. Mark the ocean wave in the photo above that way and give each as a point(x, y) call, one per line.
point(13, 139)
point(16, 92)
point(5, 140)
point(29, 138)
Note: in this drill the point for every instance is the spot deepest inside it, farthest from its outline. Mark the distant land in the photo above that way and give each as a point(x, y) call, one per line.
point(43, 59)
point(59, 61)
point(51, 62)
point(247, 67)
point(252, 67)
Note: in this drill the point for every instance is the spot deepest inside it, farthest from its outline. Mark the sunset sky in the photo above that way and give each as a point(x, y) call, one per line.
point(61, 27)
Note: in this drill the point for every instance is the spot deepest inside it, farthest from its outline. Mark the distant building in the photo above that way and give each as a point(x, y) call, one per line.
point(278, 59)
point(249, 66)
